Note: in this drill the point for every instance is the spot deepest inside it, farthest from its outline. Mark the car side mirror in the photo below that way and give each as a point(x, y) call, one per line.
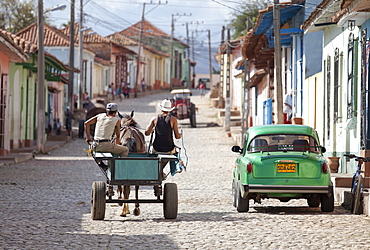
point(237, 149)
point(323, 150)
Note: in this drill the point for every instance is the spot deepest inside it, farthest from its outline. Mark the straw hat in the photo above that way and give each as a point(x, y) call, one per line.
point(166, 105)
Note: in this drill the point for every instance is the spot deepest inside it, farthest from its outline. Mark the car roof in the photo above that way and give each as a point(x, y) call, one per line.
point(281, 129)
point(180, 91)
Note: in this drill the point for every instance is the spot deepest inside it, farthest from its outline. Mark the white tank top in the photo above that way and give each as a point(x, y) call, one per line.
point(104, 128)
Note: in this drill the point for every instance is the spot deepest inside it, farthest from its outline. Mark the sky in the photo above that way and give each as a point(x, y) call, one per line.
point(109, 16)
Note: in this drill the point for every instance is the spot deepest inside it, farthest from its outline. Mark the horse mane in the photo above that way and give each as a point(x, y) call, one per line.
point(135, 138)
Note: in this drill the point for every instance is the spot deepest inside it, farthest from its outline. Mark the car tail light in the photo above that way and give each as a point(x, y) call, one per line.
point(324, 167)
point(249, 167)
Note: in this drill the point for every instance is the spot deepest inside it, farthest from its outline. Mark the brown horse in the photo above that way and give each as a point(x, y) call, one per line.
point(132, 138)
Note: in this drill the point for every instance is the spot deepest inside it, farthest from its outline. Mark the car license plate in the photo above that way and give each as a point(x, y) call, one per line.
point(286, 167)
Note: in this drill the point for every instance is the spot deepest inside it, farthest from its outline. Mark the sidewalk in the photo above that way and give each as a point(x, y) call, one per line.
point(26, 153)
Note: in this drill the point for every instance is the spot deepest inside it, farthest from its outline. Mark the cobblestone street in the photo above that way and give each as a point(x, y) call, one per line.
point(45, 202)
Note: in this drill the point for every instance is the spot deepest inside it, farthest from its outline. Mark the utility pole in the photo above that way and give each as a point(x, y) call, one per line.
point(71, 55)
point(209, 54)
point(171, 46)
point(80, 49)
point(221, 87)
point(246, 101)
point(227, 103)
point(41, 81)
point(171, 50)
point(193, 55)
point(140, 46)
point(187, 41)
point(41, 112)
point(210, 60)
point(139, 51)
point(277, 74)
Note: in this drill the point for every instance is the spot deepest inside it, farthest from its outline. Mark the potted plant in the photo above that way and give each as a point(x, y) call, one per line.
point(333, 162)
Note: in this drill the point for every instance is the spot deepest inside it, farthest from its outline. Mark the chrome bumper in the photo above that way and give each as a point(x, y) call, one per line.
point(287, 189)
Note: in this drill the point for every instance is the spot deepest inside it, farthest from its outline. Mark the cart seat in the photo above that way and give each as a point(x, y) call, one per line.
point(101, 155)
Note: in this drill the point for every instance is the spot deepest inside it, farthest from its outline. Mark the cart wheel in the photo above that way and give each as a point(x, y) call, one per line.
point(242, 205)
point(170, 199)
point(327, 203)
point(193, 120)
point(356, 201)
point(98, 200)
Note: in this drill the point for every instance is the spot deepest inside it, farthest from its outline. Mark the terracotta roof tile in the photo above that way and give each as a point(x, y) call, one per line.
point(93, 38)
point(119, 38)
point(24, 45)
point(52, 36)
point(148, 29)
point(122, 39)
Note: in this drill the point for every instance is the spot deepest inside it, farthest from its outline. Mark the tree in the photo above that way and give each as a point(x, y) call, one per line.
point(247, 12)
point(16, 15)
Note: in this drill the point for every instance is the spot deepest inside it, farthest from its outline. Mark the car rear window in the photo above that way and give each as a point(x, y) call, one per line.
point(286, 142)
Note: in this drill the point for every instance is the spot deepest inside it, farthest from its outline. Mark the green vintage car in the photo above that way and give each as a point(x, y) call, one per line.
point(282, 162)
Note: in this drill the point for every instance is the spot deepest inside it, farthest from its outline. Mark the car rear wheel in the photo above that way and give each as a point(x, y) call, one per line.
point(242, 205)
point(327, 203)
point(313, 202)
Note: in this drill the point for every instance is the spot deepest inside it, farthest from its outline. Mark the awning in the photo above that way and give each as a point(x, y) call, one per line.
point(266, 26)
point(257, 77)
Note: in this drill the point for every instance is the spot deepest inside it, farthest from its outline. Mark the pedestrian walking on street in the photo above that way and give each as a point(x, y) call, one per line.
point(143, 84)
point(201, 88)
point(107, 124)
point(69, 117)
point(58, 127)
point(111, 91)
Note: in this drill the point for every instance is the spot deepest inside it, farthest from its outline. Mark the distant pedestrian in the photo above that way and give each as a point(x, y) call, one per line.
point(111, 90)
point(143, 84)
point(287, 109)
point(126, 92)
point(119, 92)
point(69, 117)
point(54, 125)
point(184, 83)
point(58, 127)
point(201, 88)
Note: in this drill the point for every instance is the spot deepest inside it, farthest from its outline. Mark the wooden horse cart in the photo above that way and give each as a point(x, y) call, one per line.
point(139, 169)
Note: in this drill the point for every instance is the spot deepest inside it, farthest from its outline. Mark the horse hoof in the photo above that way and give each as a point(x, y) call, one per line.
point(122, 215)
point(137, 211)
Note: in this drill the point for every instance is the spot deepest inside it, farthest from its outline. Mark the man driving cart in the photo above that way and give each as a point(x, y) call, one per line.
point(107, 124)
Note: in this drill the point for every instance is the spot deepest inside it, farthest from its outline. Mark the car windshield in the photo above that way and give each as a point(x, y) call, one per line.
point(286, 142)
